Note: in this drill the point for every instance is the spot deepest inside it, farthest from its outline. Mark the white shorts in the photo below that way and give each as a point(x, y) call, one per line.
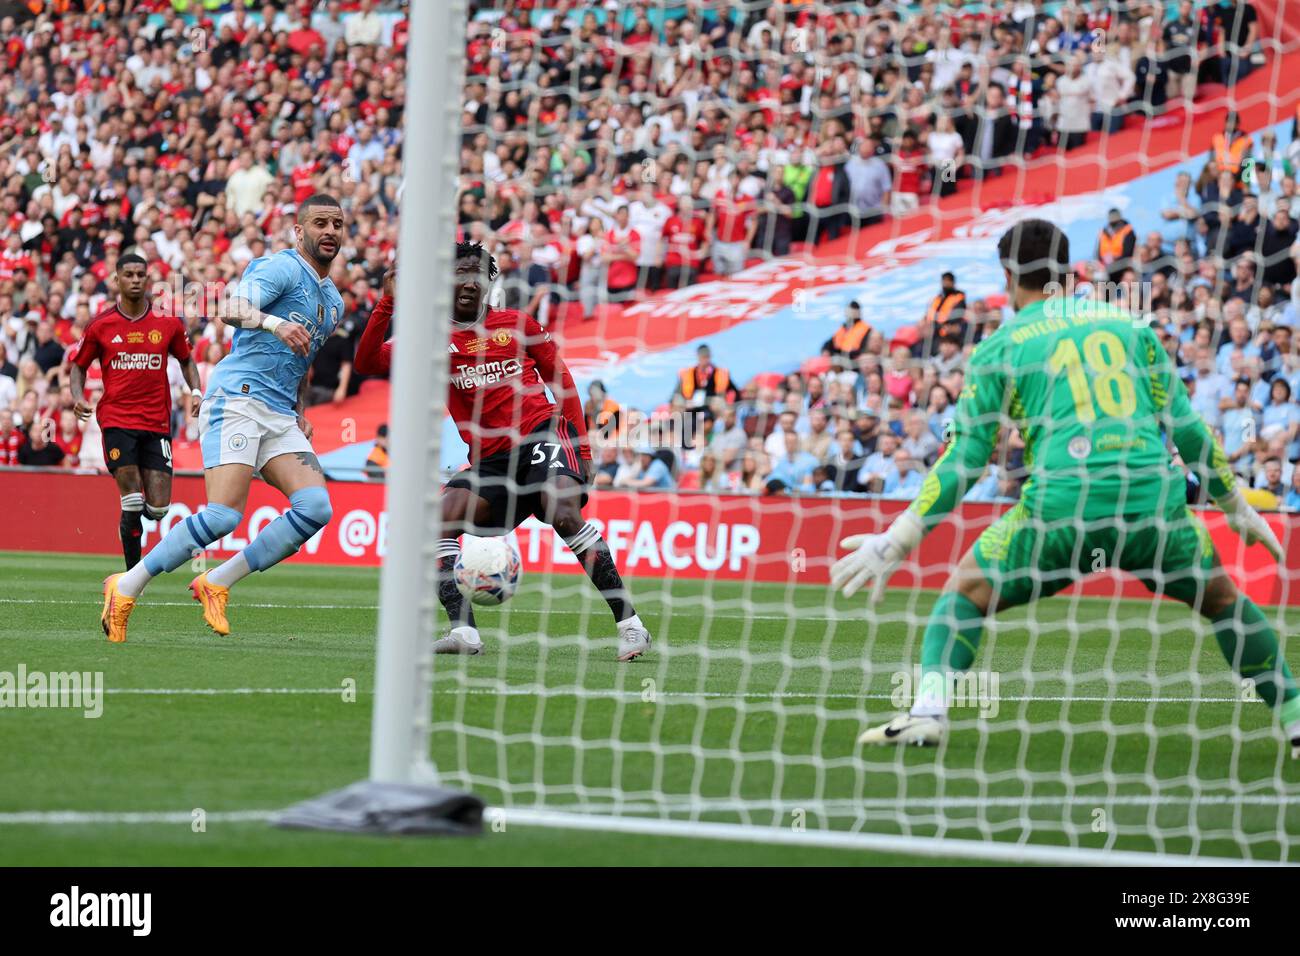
point(728, 257)
point(238, 430)
point(903, 203)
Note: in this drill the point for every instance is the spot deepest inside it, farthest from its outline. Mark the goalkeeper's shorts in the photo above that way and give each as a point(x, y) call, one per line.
point(512, 482)
point(1026, 558)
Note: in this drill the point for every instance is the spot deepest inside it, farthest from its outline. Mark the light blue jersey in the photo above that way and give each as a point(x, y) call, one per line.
point(259, 365)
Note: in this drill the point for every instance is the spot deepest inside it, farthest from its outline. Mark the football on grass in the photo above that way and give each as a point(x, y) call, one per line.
point(488, 570)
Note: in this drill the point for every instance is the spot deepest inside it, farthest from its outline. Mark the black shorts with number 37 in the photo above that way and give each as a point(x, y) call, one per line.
point(511, 482)
point(131, 446)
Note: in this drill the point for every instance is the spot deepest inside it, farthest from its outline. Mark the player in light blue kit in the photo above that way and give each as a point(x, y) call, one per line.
point(251, 420)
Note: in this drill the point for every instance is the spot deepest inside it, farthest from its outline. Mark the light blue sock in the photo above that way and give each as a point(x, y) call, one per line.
point(309, 511)
point(193, 534)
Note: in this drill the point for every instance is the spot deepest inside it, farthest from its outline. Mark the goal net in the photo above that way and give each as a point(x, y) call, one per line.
point(763, 237)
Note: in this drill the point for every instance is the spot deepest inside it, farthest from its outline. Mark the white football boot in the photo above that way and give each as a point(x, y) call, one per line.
point(461, 640)
point(907, 729)
point(633, 641)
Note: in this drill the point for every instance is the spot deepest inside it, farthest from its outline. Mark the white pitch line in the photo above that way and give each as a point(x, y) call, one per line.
point(1006, 852)
point(795, 612)
point(78, 817)
point(812, 695)
point(601, 692)
point(226, 691)
point(557, 612)
point(900, 806)
point(735, 832)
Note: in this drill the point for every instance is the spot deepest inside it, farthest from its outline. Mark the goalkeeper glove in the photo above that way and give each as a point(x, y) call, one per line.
point(876, 556)
point(1249, 524)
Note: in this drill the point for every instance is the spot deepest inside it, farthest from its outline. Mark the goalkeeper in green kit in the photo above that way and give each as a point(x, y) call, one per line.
point(1093, 394)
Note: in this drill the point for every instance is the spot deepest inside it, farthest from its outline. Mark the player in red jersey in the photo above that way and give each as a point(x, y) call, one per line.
point(132, 341)
point(527, 455)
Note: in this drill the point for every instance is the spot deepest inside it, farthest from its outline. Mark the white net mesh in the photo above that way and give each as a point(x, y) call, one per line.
point(787, 184)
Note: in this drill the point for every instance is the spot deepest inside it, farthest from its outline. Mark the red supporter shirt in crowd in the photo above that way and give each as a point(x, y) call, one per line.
point(909, 164)
point(622, 272)
point(133, 356)
point(303, 178)
point(497, 370)
point(684, 239)
point(11, 263)
point(10, 442)
point(823, 187)
point(731, 216)
point(71, 446)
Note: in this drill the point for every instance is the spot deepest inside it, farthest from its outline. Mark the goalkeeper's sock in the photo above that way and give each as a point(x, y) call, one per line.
point(951, 639)
point(453, 602)
point(592, 551)
point(1249, 643)
point(130, 528)
point(182, 542)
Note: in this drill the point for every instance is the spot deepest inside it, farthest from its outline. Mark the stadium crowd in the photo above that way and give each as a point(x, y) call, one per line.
point(614, 149)
point(187, 132)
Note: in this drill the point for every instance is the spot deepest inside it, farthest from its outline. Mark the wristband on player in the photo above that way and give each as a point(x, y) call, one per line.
point(196, 394)
point(271, 323)
point(907, 530)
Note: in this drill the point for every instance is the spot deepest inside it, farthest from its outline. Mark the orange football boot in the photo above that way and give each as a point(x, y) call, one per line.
point(213, 597)
point(117, 610)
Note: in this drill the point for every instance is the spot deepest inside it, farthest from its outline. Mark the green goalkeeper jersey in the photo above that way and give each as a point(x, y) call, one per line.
point(1093, 394)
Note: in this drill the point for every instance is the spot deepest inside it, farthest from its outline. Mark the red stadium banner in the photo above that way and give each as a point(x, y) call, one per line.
point(652, 535)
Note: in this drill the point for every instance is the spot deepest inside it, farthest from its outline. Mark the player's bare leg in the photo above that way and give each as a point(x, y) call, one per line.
point(300, 478)
point(951, 640)
point(157, 492)
point(130, 488)
point(561, 510)
point(462, 512)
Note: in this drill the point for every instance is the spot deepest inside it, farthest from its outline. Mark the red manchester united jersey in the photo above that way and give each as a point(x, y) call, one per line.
point(498, 370)
point(132, 355)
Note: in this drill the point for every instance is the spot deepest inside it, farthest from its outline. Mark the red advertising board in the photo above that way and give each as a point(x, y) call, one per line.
point(652, 535)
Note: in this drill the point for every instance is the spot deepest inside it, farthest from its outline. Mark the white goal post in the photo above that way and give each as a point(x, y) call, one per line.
point(408, 593)
point(401, 794)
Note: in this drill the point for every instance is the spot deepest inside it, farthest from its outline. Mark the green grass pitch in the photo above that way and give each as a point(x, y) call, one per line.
point(746, 711)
